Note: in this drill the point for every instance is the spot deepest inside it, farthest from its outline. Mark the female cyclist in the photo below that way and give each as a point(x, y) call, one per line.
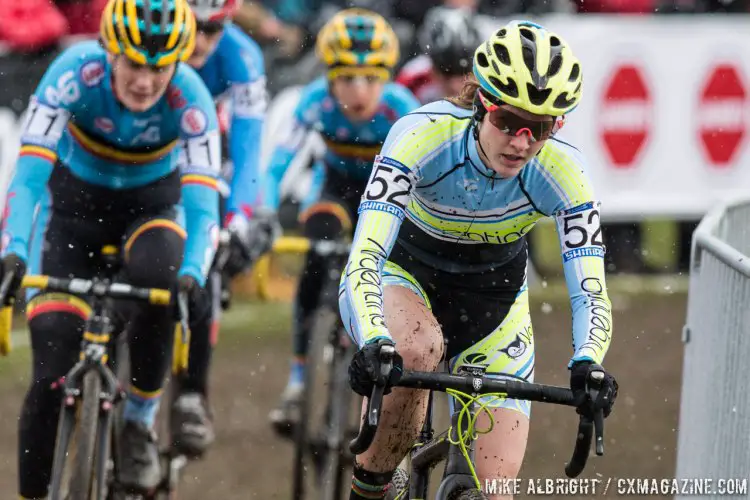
point(353, 108)
point(120, 147)
point(438, 264)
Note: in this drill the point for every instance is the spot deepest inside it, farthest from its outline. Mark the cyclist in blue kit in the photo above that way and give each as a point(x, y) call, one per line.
point(231, 65)
point(120, 146)
point(352, 107)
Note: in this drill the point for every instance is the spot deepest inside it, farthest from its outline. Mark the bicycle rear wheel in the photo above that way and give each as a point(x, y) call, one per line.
point(80, 484)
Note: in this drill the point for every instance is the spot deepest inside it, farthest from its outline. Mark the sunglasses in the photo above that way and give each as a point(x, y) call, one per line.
point(210, 27)
point(510, 123)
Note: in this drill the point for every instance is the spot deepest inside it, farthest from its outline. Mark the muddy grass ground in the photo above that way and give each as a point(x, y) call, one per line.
point(250, 370)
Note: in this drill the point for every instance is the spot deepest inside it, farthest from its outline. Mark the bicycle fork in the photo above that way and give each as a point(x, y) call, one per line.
point(94, 356)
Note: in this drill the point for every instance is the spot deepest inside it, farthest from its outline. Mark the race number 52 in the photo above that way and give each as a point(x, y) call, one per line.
point(390, 185)
point(581, 229)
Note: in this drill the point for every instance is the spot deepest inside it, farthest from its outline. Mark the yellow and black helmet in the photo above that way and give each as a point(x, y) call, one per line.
point(527, 66)
point(151, 32)
point(358, 37)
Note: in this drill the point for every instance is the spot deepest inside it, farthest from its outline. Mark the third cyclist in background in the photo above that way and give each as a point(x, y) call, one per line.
point(448, 38)
point(231, 65)
point(353, 107)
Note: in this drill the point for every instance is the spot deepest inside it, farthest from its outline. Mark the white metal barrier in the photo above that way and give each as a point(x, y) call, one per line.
point(714, 426)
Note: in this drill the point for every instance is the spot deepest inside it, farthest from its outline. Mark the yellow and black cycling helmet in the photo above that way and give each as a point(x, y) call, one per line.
point(358, 37)
point(527, 66)
point(150, 32)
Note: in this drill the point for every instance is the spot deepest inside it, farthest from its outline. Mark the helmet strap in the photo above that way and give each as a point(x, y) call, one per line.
point(478, 115)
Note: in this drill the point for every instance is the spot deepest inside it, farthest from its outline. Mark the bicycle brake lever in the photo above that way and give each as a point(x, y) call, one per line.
point(599, 431)
point(376, 399)
point(597, 377)
point(182, 305)
point(4, 287)
point(386, 362)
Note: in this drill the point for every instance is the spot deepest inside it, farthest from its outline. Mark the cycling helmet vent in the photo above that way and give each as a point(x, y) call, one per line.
point(501, 51)
point(574, 72)
point(554, 65)
point(509, 89)
point(537, 96)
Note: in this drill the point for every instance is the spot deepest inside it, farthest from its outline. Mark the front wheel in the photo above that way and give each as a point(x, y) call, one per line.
point(398, 489)
point(469, 495)
point(81, 474)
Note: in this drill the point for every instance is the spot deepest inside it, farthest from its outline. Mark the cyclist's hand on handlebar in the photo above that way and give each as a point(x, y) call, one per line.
point(12, 263)
point(593, 392)
point(364, 370)
point(250, 238)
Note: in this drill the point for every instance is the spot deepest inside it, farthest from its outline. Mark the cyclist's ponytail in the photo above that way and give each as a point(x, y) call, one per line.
point(465, 98)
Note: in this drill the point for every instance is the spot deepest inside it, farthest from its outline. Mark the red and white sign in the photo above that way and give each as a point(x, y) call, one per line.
point(625, 117)
point(722, 114)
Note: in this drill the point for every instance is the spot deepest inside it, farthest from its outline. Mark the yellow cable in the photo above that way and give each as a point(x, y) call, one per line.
point(465, 401)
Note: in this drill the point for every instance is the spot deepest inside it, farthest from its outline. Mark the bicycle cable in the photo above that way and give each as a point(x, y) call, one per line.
point(465, 400)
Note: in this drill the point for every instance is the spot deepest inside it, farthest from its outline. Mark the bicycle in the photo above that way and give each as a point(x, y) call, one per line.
point(322, 443)
point(455, 446)
point(91, 388)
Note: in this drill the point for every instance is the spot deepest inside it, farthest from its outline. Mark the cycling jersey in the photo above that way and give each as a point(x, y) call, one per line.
point(430, 193)
point(75, 123)
point(350, 147)
point(234, 71)
point(417, 76)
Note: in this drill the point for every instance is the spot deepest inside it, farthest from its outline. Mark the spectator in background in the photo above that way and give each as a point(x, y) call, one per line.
point(32, 25)
point(280, 22)
point(448, 39)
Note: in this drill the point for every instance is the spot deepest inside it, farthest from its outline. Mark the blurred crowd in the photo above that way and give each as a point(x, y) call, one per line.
point(286, 28)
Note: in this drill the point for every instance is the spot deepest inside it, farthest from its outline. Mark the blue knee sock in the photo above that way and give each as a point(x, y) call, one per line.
point(297, 373)
point(142, 407)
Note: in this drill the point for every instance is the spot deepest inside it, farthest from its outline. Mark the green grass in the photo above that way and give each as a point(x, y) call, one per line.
point(18, 361)
point(256, 320)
